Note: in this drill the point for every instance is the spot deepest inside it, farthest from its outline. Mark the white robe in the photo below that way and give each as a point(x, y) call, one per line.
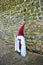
point(23, 45)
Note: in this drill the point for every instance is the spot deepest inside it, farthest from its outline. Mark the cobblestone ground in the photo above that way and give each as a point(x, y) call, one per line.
point(9, 57)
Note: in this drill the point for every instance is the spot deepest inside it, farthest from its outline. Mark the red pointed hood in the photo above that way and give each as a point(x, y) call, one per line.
point(21, 30)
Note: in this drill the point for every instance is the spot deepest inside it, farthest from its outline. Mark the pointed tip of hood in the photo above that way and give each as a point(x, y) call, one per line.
point(21, 30)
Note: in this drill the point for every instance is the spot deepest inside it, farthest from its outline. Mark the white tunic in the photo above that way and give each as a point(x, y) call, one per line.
point(23, 45)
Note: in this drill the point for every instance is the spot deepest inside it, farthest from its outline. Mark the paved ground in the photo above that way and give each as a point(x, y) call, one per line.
point(9, 57)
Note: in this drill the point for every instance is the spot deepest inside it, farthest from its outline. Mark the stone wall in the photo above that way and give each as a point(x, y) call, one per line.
point(34, 36)
point(31, 9)
point(12, 17)
point(9, 26)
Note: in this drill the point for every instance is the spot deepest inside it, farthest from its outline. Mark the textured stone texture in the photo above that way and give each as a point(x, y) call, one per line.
point(12, 17)
point(34, 36)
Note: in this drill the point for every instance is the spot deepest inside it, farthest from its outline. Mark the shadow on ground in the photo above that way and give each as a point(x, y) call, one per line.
point(9, 57)
point(13, 58)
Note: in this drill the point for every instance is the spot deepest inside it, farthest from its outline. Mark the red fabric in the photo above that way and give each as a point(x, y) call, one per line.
point(21, 30)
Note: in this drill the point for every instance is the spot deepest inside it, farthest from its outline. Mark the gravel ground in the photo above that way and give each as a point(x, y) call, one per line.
point(9, 57)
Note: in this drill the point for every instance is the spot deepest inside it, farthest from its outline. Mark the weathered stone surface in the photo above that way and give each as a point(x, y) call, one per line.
point(34, 36)
point(12, 17)
point(9, 26)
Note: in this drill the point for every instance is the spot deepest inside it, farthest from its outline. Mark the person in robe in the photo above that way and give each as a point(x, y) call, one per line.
point(20, 44)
